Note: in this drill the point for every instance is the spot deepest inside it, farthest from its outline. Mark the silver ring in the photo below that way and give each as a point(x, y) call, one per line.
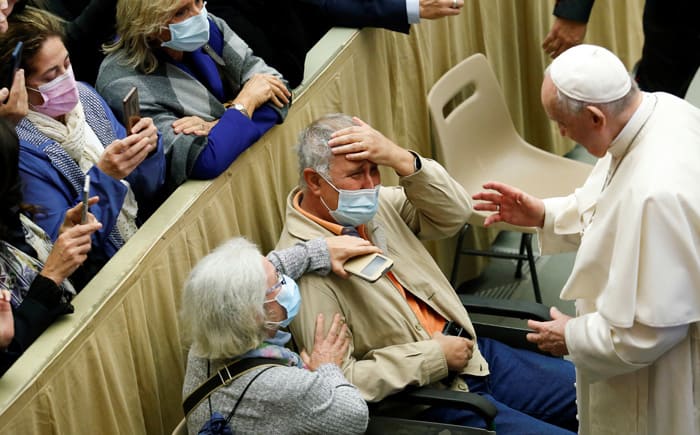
point(454, 4)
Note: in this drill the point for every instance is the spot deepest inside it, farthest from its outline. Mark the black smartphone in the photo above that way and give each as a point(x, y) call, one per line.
point(453, 328)
point(132, 111)
point(12, 66)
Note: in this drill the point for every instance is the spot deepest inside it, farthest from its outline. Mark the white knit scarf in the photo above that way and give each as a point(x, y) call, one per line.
point(80, 142)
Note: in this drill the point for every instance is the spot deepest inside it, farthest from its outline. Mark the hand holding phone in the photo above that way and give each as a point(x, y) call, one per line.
point(132, 111)
point(12, 66)
point(453, 328)
point(369, 267)
point(86, 195)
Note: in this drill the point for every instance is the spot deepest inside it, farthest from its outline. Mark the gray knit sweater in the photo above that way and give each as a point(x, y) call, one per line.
point(282, 400)
point(311, 256)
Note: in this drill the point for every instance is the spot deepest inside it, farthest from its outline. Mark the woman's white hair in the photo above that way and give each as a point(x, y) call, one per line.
point(222, 310)
point(312, 148)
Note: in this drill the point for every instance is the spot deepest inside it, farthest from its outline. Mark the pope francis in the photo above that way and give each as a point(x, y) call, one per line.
point(635, 224)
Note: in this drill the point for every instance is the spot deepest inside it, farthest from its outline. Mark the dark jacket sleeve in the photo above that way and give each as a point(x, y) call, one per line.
point(576, 10)
point(388, 14)
point(85, 34)
point(38, 310)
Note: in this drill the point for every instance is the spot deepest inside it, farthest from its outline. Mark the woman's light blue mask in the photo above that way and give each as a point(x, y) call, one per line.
point(190, 34)
point(289, 298)
point(355, 207)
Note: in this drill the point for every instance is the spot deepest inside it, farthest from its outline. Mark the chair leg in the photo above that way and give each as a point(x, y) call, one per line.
point(533, 269)
point(458, 254)
point(521, 252)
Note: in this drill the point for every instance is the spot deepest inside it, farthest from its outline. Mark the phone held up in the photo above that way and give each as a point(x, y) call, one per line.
point(132, 112)
point(12, 66)
point(369, 267)
point(453, 328)
point(86, 195)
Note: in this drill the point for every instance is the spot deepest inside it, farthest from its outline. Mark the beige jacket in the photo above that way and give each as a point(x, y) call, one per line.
point(389, 348)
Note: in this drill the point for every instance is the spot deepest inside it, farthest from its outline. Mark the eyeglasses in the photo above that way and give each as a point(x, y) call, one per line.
point(279, 283)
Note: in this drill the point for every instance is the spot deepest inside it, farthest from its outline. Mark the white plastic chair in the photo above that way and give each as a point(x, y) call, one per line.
point(477, 142)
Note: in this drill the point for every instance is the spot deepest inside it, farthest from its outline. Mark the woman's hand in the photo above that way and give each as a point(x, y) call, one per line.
point(7, 323)
point(122, 156)
point(331, 348)
point(343, 248)
point(69, 251)
point(260, 89)
point(17, 104)
point(74, 215)
point(510, 205)
point(193, 125)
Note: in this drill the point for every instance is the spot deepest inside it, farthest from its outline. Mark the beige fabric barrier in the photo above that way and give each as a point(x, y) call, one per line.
point(116, 365)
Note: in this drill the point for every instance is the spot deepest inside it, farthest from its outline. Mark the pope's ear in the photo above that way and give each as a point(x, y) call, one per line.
point(596, 117)
point(313, 181)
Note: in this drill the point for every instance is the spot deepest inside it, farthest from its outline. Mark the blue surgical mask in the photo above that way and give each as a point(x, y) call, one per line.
point(355, 207)
point(190, 34)
point(289, 298)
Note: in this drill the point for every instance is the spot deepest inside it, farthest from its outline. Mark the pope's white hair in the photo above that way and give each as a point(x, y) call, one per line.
point(222, 310)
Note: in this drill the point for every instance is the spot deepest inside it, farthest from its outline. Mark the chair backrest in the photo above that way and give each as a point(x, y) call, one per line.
point(472, 122)
point(477, 141)
point(693, 94)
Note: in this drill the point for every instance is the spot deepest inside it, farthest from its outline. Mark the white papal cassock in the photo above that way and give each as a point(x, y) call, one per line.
point(636, 278)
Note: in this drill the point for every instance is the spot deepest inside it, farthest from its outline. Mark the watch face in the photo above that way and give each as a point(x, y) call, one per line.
point(241, 108)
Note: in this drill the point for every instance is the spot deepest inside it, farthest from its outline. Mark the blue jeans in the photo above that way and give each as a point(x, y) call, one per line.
point(534, 393)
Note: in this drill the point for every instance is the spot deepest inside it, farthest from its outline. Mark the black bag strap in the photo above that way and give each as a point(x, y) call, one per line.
point(233, 411)
point(223, 377)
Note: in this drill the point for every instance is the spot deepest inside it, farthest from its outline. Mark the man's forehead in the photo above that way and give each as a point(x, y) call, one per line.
point(340, 164)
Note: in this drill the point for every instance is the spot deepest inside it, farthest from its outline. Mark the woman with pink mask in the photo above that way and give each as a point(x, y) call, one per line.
point(70, 133)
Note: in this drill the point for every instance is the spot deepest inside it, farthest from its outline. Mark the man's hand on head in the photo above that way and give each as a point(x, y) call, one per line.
point(362, 142)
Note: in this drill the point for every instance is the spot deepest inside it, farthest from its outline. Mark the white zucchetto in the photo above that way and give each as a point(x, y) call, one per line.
point(590, 73)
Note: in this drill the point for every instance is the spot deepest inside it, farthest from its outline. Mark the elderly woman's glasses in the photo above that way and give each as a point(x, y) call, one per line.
point(278, 284)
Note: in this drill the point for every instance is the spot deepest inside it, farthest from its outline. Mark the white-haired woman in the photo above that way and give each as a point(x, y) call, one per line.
point(233, 304)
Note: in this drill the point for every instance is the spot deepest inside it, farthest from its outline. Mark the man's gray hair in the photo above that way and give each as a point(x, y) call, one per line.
point(222, 312)
point(616, 107)
point(313, 149)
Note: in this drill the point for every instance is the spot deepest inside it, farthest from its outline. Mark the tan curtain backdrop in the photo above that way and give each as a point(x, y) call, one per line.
point(116, 365)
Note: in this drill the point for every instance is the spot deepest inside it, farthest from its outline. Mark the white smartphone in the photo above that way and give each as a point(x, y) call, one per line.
point(369, 267)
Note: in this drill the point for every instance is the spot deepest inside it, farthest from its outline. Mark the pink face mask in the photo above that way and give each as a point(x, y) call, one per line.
point(60, 95)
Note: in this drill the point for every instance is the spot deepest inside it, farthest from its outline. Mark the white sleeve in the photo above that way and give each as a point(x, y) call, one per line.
point(413, 11)
point(603, 350)
point(561, 231)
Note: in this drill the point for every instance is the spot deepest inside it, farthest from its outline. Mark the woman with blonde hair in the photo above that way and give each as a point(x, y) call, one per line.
point(210, 97)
